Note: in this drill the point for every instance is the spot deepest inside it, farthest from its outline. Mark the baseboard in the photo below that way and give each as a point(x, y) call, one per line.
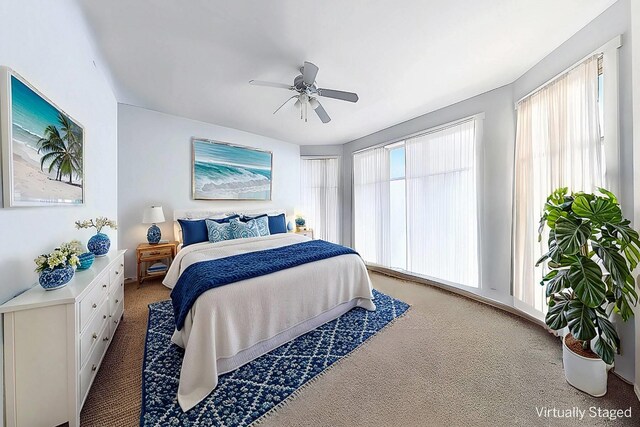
point(455, 290)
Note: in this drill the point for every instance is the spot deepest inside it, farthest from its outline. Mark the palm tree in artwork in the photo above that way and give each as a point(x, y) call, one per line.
point(62, 152)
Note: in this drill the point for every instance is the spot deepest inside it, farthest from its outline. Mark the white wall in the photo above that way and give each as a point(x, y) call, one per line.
point(154, 168)
point(635, 33)
point(48, 44)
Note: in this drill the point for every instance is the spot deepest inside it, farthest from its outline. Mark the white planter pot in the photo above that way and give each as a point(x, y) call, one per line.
point(585, 374)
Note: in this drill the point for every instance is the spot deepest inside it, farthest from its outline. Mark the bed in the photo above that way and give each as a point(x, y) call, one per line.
point(229, 326)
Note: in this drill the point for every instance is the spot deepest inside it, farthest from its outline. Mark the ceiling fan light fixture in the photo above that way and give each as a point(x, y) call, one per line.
point(314, 103)
point(298, 104)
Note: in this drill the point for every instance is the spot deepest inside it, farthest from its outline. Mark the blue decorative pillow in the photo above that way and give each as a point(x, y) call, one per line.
point(277, 224)
point(262, 221)
point(218, 231)
point(243, 230)
point(196, 231)
point(193, 231)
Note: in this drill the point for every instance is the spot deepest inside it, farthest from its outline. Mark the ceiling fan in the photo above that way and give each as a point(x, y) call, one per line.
point(307, 92)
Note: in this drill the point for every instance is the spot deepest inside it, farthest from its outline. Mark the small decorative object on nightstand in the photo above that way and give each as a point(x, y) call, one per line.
point(153, 215)
point(300, 222)
point(306, 232)
point(154, 259)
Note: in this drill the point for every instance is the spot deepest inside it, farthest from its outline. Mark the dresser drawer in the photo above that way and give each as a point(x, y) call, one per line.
point(116, 298)
point(166, 251)
point(116, 271)
point(117, 283)
point(90, 303)
point(90, 336)
point(116, 317)
point(89, 370)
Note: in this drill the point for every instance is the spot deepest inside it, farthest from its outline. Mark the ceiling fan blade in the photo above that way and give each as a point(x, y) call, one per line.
point(270, 84)
point(309, 73)
point(284, 103)
point(320, 111)
point(338, 94)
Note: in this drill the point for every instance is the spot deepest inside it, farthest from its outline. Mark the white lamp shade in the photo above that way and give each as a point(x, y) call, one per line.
point(153, 215)
point(314, 103)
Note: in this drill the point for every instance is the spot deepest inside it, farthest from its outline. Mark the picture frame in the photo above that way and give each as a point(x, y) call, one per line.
point(224, 171)
point(43, 155)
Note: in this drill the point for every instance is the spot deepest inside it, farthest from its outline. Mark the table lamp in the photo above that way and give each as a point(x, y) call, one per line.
point(153, 215)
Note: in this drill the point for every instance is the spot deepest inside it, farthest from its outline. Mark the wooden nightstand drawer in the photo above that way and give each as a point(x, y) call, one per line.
point(153, 253)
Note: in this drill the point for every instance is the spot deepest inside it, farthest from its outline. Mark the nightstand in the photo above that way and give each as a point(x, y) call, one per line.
point(308, 232)
point(148, 254)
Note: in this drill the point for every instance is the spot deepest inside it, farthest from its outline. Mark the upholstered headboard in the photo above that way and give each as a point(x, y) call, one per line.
point(209, 213)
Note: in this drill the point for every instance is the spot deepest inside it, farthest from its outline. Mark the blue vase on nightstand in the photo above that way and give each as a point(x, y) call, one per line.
point(153, 234)
point(99, 244)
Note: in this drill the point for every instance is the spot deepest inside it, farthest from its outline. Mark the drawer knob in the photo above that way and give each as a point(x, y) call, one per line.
point(117, 301)
point(121, 265)
point(105, 339)
point(94, 305)
point(93, 368)
point(104, 286)
point(94, 336)
point(117, 272)
point(115, 321)
point(104, 316)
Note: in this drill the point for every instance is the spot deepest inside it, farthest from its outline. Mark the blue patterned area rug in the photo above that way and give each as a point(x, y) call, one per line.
point(248, 393)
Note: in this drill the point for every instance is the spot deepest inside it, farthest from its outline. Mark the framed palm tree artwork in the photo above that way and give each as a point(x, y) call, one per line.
point(42, 147)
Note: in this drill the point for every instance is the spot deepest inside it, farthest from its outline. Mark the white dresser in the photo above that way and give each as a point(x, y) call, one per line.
point(54, 342)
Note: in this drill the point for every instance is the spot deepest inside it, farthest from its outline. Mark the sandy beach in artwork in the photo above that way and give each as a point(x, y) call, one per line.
point(32, 184)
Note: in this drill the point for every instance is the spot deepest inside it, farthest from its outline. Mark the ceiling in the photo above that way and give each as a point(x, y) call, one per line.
point(194, 59)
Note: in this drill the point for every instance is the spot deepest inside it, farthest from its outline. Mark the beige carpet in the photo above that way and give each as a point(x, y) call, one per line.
point(449, 362)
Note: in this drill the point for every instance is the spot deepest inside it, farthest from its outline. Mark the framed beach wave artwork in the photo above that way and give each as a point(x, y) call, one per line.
point(223, 171)
point(42, 147)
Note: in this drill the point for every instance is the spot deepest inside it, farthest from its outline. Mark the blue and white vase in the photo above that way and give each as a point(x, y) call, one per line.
point(153, 234)
point(56, 278)
point(99, 244)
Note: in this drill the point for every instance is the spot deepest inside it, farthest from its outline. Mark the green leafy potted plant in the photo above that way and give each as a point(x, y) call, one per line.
point(592, 251)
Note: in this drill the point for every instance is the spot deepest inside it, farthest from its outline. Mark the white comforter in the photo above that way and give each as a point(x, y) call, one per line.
point(231, 325)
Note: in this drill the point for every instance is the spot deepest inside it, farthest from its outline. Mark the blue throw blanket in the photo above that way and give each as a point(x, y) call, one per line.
point(202, 276)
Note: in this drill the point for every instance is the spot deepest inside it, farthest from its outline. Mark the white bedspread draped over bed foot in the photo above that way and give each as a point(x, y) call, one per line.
point(230, 326)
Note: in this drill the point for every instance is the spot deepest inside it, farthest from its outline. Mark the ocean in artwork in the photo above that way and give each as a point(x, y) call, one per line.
point(47, 151)
point(223, 171)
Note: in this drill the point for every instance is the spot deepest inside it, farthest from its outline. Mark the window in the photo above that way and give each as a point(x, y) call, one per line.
point(321, 196)
point(559, 143)
point(397, 211)
point(415, 204)
point(442, 214)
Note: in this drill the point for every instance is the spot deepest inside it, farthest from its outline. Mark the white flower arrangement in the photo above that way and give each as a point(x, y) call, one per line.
point(66, 254)
point(100, 222)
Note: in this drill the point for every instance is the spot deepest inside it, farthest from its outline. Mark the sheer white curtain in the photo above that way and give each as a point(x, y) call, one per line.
point(558, 144)
point(320, 197)
point(442, 217)
point(371, 204)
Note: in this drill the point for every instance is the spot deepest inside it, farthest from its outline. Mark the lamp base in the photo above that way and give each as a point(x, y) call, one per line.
point(153, 235)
